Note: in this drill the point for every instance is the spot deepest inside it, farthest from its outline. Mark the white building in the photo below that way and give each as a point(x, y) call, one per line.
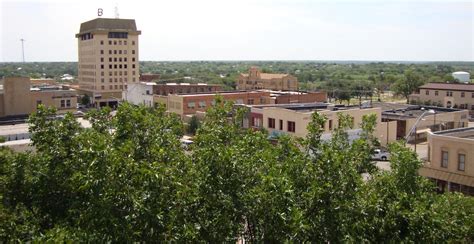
point(139, 93)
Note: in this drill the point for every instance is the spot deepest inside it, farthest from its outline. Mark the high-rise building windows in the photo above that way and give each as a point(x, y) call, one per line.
point(101, 42)
point(110, 79)
point(115, 80)
point(102, 87)
point(102, 66)
point(124, 42)
point(110, 42)
point(101, 51)
point(101, 59)
point(120, 66)
point(115, 66)
point(133, 79)
point(102, 73)
point(110, 73)
point(120, 73)
point(120, 51)
point(133, 72)
point(110, 51)
point(133, 51)
point(133, 66)
point(133, 59)
point(125, 72)
point(102, 80)
point(115, 59)
point(133, 42)
point(111, 87)
point(115, 51)
point(124, 51)
point(110, 66)
point(125, 59)
point(120, 59)
point(115, 73)
point(120, 42)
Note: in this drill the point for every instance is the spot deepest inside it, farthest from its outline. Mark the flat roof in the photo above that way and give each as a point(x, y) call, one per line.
point(220, 93)
point(409, 111)
point(465, 133)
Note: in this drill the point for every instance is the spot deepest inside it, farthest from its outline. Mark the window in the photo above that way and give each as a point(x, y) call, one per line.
point(101, 42)
point(120, 42)
point(124, 51)
point(110, 51)
point(102, 80)
point(101, 51)
point(102, 87)
point(115, 79)
point(110, 42)
point(115, 66)
point(125, 66)
point(125, 59)
point(102, 66)
point(444, 159)
point(120, 66)
point(102, 73)
point(133, 51)
point(68, 103)
point(110, 79)
point(449, 93)
point(436, 93)
point(462, 94)
point(63, 103)
point(110, 66)
point(115, 59)
point(133, 66)
point(281, 124)
point(461, 161)
point(202, 104)
point(115, 42)
point(250, 101)
point(110, 87)
point(427, 92)
point(472, 95)
point(133, 42)
point(133, 60)
point(115, 51)
point(116, 86)
point(123, 35)
point(330, 124)
point(120, 51)
point(191, 105)
point(271, 123)
point(120, 59)
point(124, 42)
point(291, 126)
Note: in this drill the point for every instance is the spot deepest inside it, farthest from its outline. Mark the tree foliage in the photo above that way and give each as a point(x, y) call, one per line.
point(126, 179)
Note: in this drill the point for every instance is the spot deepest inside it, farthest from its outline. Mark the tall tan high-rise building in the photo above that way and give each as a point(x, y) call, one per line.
point(108, 59)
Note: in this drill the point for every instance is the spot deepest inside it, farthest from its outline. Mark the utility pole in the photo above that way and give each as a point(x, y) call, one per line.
point(23, 48)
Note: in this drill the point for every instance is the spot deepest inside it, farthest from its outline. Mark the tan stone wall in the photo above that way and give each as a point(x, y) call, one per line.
point(254, 81)
point(53, 99)
point(443, 99)
point(302, 120)
point(454, 146)
point(17, 96)
point(2, 111)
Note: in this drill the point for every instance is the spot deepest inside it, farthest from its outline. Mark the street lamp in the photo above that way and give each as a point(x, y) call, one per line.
point(413, 128)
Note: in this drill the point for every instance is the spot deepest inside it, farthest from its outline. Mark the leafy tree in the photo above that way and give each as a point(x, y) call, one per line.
point(193, 125)
point(85, 100)
point(408, 84)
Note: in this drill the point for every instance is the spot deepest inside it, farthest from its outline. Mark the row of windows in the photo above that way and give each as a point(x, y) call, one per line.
point(87, 36)
point(118, 66)
point(117, 51)
point(116, 80)
point(290, 125)
point(118, 35)
point(114, 87)
point(202, 104)
point(117, 59)
point(461, 160)
point(116, 42)
point(448, 93)
point(115, 73)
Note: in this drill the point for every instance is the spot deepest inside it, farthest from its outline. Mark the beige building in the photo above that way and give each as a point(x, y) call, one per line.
point(258, 80)
point(405, 117)
point(293, 119)
point(451, 160)
point(448, 95)
point(19, 98)
point(108, 59)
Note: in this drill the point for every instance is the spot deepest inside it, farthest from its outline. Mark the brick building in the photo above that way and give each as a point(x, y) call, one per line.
point(258, 80)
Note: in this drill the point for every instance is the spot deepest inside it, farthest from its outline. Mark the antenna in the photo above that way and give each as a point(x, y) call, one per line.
point(23, 48)
point(116, 11)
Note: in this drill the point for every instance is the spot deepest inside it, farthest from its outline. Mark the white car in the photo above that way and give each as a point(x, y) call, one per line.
point(380, 155)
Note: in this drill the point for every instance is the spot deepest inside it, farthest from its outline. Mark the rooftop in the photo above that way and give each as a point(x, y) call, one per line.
point(408, 111)
point(221, 93)
point(448, 86)
point(106, 24)
point(268, 76)
point(464, 133)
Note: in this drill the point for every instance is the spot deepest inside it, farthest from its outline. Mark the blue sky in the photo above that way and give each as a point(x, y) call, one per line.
point(251, 29)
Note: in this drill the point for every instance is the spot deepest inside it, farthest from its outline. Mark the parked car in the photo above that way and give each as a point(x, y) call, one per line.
point(185, 143)
point(380, 154)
